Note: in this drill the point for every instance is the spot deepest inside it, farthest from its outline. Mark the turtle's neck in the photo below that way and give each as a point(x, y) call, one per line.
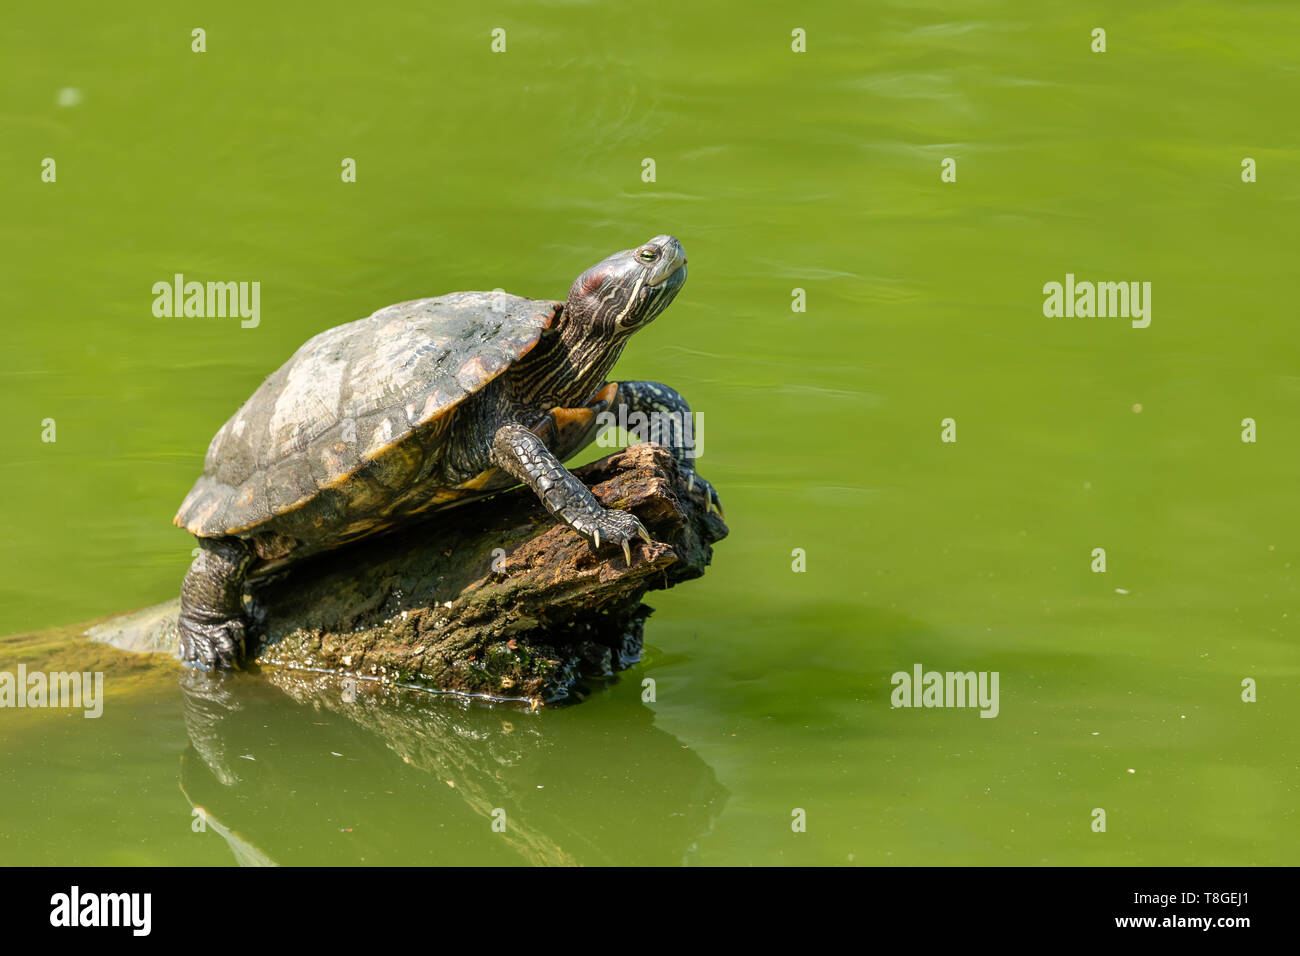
point(569, 365)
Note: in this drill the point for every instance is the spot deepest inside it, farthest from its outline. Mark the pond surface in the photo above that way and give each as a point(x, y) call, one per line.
point(779, 171)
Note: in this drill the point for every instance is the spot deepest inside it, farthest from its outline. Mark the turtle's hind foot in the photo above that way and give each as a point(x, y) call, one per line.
point(209, 645)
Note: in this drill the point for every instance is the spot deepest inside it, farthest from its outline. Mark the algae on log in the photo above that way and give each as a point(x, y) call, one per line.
point(492, 598)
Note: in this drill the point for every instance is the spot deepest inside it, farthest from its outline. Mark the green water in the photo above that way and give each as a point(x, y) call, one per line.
point(777, 170)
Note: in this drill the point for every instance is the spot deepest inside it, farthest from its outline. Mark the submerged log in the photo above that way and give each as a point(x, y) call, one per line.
point(493, 598)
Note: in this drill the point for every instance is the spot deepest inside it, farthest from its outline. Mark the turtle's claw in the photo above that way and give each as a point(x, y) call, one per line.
point(616, 527)
point(212, 645)
point(711, 501)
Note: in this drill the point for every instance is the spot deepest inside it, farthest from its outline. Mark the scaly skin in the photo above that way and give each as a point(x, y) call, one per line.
point(211, 624)
point(522, 454)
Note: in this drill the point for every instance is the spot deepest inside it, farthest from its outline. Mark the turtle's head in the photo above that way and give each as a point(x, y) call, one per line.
point(626, 291)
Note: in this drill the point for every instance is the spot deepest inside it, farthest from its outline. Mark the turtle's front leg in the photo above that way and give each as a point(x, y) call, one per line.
point(669, 423)
point(521, 453)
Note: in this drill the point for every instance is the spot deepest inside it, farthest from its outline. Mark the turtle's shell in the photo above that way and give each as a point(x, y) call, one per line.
point(352, 423)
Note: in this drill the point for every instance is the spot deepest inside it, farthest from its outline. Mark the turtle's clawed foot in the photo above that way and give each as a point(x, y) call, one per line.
point(618, 527)
point(698, 486)
point(212, 644)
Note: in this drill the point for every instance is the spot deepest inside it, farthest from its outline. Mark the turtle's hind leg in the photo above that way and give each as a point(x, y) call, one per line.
point(212, 625)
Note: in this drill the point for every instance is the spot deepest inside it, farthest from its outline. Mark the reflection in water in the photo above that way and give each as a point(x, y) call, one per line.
point(296, 768)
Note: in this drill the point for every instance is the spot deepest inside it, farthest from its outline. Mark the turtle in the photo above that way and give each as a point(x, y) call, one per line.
point(420, 407)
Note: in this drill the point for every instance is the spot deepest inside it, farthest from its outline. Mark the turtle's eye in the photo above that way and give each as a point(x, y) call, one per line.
point(648, 255)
